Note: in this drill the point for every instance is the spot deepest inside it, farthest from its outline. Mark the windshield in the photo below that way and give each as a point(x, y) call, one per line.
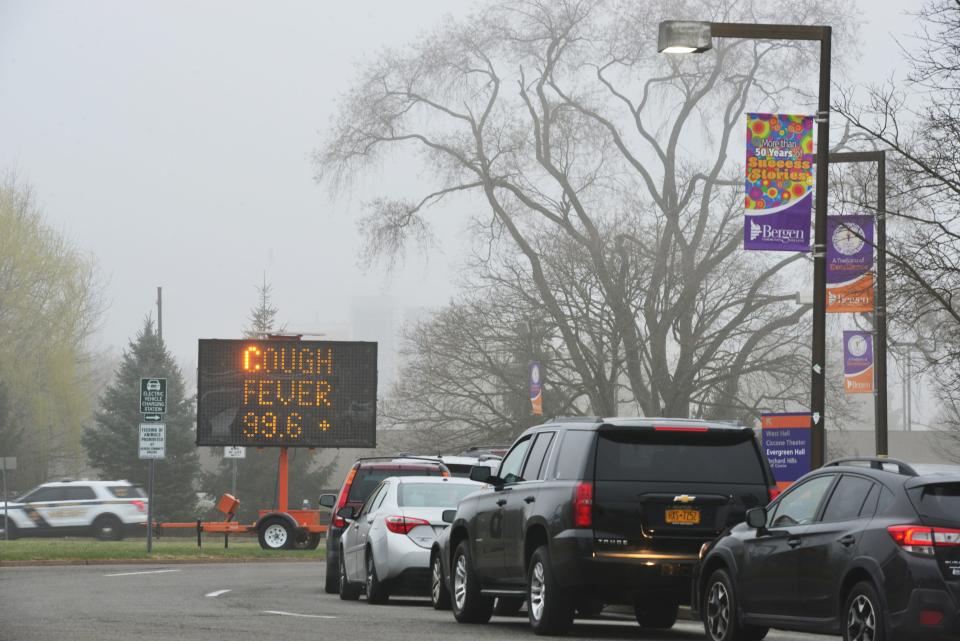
point(445, 495)
point(678, 457)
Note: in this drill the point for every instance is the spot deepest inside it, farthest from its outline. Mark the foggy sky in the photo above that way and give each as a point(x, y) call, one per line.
point(171, 140)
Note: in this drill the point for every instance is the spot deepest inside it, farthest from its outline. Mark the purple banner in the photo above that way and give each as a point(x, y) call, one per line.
point(779, 182)
point(849, 264)
point(857, 362)
point(536, 389)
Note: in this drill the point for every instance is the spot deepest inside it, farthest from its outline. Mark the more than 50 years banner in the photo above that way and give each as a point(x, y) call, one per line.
point(779, 182)
point(849, 264)
point(786, 444)
point(857, 362)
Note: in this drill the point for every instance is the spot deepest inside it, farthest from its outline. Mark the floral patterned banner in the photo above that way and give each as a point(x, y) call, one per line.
point(779, 182)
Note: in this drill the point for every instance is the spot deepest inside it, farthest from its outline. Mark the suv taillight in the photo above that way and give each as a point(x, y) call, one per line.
point(403, 524)
point(338, 521)
point(140, 505)
point(921, 539)
point(583, 505)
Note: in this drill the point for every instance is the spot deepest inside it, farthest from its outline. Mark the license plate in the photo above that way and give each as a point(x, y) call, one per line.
point(683, 517)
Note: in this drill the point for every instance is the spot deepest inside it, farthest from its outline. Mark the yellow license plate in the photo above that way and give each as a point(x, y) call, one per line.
point(683, 517)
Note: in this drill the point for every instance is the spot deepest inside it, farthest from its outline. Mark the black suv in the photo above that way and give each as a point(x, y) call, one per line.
point(868, 548)
point(610, 510)
point(363, 478)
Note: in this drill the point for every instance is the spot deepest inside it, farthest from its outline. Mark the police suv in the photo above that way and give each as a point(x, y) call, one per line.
point(104, 509)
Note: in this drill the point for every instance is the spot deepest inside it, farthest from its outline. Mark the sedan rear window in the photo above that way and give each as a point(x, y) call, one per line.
point(445, 495)
point(678, 457)
point(941, 500)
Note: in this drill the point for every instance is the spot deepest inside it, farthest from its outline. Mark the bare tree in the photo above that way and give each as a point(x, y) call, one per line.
point(562, 117)
point(920, 123)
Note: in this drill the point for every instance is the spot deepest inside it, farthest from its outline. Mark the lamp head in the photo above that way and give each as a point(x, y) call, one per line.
point(684, 36)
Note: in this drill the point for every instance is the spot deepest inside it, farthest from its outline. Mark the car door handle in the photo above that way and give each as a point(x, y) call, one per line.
point(501, 502)
point(847, 540)
point(530, 499)
point(793, 541)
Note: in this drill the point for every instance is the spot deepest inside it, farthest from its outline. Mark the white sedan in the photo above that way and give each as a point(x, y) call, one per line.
point(386, 546)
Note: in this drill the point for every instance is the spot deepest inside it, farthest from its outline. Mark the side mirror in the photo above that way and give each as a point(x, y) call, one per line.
point(328, 500)
point(480, 473)
point(346, 513)
point(448, 516)
point(757, 518)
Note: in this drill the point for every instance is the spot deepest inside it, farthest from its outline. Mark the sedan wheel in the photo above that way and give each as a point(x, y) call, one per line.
point(439, 596)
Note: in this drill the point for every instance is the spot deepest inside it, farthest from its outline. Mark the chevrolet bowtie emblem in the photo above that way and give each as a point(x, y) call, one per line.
point(684, 498)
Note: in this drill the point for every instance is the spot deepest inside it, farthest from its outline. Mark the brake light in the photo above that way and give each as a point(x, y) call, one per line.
point(679, 428)
point(583, 505)
point(775, 491)
point(403, 524)
point(920, 539)
point(140, 505)
point(338, 521)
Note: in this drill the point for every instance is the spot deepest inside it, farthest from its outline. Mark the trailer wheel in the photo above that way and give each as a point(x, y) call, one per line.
point(313, 542)
point(275, 534)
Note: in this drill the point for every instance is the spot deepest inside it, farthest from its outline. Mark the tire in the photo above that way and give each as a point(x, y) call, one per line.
point(377, 593)
point(549, 608)
point(348, 591)
point(439, 594)
point(107, 527)
point(331, 583)
point(468, 604)
point(656, 615)
point(590, 608)
point(721, 614)
point(11, 532)
point(506, 606)
point(313, 542)
point(863, 615)
point(275, 533)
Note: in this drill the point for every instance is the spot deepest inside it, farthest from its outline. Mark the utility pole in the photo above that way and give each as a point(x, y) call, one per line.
point(153, 463)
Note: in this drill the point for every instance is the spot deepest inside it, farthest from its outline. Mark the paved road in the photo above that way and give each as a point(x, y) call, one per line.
point(243, 602)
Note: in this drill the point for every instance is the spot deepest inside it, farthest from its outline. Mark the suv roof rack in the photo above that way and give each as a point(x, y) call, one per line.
point(575, 419)
point(876, 463)
point(405, 457)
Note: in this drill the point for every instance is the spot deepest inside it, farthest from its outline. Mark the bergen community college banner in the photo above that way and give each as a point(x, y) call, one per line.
point(779, 187)
point(850, 264)
point(857, 362)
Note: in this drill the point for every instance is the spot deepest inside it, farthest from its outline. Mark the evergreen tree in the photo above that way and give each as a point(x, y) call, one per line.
point(112, 442)
point(263, 317)
point(257, 473)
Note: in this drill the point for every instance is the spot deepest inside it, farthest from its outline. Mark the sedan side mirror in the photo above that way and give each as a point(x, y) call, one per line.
point(448, 516)
point(480, 473)
point(346, 513)
point(328, 500)
point(757, 518)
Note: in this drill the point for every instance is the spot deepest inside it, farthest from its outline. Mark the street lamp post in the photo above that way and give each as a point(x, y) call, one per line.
point(880, 304)
point(695, 37)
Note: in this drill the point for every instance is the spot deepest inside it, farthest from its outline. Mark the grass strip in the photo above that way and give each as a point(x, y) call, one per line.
point(173, 549)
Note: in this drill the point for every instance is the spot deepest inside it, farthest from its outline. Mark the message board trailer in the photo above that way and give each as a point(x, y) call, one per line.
point(287, 393)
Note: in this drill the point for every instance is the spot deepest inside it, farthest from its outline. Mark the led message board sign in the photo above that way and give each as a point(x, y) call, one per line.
point(286, 393)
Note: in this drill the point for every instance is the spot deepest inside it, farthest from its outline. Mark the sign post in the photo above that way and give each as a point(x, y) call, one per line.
point(153, 405)
point(6, 463)
point(234, 452)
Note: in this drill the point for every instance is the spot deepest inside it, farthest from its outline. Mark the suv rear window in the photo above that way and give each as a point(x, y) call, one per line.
point(678, 457)
point(368, 478)
point(940, 500)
